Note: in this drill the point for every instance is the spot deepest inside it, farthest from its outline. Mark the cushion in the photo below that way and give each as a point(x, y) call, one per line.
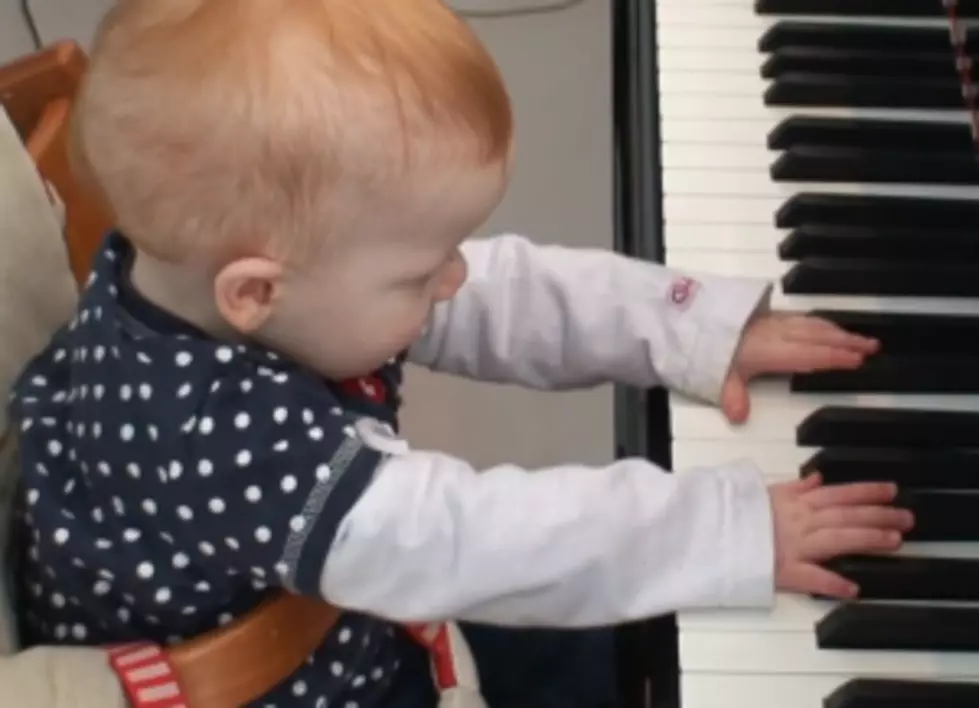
point(37, 295)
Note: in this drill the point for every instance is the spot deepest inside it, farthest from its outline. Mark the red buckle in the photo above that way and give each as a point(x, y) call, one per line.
point(146, 676)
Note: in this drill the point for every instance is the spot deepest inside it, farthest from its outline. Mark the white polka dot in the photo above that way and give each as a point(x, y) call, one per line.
point(184, 512)
point(216, 505)
point(297, 523)
point(232, 543)
point(358, 681)
point(281, 446)
point(344, 635)
point(189, 610)
point(104, 469)
point(162, 596)
point(183, 359)
point(206, 426)
point(152, 432)
point(281, 569)
point(32, 496)
point(96, 430)
point(321, 702)
point(243, 458)
point(101, 587)
point(225, 618)
point(54, 448)
point(289, 484)
point(224, 354)
point(253, 494)
point(145, 570)
point(262, 534)
point(180, 561)
point(143, 358)
point(125, 392)
point(123, 614)
point(131, 535)
point(322, 473)
point(126, 432)
point(280, 414)
point(176, 469)
point(377, 673)
point(99, 353)
point(59, 355)
point(307, 416)
point(149, 506)
point(336, 668)
point(133, 469)
point(205, 468)
point(103, 544)
point(39, 381)
point(184, 390)
point(315, 434)
point(202, 586)
point(206, 548)
point(61, 536)
point(145, 391)
point(26, 424)
point(242, 420)
point(246, 385)
point(57, 600)
point(119, 507)
point(79, 632)
point(299, 688)
point(281, 377)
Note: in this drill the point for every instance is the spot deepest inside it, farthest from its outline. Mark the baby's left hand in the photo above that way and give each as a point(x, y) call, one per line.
point(788, 343)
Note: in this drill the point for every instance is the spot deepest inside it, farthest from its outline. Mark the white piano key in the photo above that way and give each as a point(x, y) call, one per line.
point(721, 210)
point(802, 690)
point(722, 237)
point(676, 17)
point(732, 61)
point(795, 652)
point(779, 462)
point(757, 183)
point(776, 413)
point(766, 266)
point(710, 158)
point(711, 84)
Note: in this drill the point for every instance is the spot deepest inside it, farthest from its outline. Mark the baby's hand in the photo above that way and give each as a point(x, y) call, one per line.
point(814, 523)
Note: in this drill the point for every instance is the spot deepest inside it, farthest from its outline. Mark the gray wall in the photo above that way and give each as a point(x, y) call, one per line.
point(557, 66)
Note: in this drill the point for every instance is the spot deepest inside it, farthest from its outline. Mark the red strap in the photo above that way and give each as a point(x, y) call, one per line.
point(146, 676)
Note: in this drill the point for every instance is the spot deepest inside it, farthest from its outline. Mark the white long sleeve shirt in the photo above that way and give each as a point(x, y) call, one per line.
point(433, 538)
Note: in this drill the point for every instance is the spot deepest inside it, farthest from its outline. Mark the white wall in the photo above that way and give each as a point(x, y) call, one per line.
point(558, 70)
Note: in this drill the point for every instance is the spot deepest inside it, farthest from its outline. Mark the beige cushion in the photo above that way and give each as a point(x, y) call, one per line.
point(37, 295)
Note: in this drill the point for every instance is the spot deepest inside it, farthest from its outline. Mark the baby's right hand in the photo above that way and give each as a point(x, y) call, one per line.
point(814, 523)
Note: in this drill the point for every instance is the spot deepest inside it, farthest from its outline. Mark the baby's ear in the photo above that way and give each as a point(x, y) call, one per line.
point(245, 291)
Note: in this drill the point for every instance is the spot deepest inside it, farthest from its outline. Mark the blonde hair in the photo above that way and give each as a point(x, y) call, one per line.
point(217, 128)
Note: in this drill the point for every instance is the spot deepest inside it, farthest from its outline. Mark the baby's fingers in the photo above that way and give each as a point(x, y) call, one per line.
point(856, 494)
point(879, 517)
point(810, 579)
point(827, 543)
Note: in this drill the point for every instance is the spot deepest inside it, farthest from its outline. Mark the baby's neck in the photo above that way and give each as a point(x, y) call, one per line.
point(183, 291)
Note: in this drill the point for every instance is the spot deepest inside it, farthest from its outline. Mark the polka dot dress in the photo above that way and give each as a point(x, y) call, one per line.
point(170, 481)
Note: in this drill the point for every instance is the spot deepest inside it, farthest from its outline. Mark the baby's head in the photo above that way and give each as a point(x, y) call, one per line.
point(310, 166)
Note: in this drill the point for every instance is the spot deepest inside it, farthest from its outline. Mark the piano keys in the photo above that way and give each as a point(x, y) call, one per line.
point(824, 145)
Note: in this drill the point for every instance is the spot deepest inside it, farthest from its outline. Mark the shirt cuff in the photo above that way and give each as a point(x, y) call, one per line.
point(721, 310)
point(750, 535)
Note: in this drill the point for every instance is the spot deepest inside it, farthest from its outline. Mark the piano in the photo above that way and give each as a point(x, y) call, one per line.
point(824, 145)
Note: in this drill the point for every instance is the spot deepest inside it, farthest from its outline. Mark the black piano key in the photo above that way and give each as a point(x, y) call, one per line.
point(865, 8)
point(899, 628)
point(923, 136)
point(909, 469)
point(791, 33)
point(894, 693)
point(941, 515)
point(878, 211)
point(800, 89)
point(805, 163)
point(914, 334)
point(839, 426)
point(896, 374)
point(858, 62)
point(911, 577)
point(841, 276)
point(888, 243)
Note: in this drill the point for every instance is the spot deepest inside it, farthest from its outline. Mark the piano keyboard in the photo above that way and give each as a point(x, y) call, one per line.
point(829, 151)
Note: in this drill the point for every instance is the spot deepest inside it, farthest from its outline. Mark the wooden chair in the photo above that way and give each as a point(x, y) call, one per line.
point(238, 663)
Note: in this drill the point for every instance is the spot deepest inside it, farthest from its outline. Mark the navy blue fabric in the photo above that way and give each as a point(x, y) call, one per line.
point(170, 480)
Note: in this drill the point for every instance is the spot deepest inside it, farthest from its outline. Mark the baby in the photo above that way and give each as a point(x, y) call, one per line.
point(293, 184)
